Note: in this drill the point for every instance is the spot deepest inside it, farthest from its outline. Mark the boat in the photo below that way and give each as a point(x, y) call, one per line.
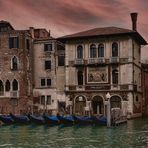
point(51, 120)
point(83, 120)
point(20, 119)
point(6, 119)
point(99, 120)
point(67, 120)
point(36, 119)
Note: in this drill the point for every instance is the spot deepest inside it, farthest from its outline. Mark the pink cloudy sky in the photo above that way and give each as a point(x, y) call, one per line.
point(64, 17)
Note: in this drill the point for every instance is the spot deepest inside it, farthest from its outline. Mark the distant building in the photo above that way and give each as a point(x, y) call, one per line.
point(15, 70)
point(48, 72)
point(145, 89)
point(103, 60)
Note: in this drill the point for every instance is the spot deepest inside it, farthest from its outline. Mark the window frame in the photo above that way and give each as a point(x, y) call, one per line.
point(46, 47)
point(80, 52)
point(116, 52)
point(92, 51)
point(46, 82)
point(13, 42)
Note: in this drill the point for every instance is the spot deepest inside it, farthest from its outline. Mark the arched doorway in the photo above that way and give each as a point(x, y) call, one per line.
point(80, 103)
point(97, 105)
point(115, 101)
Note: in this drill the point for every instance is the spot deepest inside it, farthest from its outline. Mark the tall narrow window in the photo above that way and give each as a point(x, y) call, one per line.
point(115, 76)
point(61, 60)
point(13, 42)
point(47, 65)
point(80, 77)
point(14, 63)
point(47, 47)
point(7, 85)
point(114, 49)
point(48, 101)
point(14, 85)
point(101, 50)
point(42, 100)
point(1, 88)
point(27, 44)
point(80, 52)
point(93, 52)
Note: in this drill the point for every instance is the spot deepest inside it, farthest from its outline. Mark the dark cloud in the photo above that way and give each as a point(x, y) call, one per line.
point(68, 16)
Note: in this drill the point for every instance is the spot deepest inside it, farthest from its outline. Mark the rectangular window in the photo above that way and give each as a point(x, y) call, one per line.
point(45, 82)
point(47, 65)
point(42, 100)
point(27, 44)
point(61, 60)
point(48, 101)
point(13, 42)
point(42, 82)
point(47, 47)
point(48, 82)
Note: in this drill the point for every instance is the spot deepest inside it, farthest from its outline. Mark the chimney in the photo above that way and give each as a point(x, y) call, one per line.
point(134, 21)
point(32, 31)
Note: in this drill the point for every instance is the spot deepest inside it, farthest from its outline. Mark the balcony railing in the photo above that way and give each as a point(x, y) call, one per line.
point(14, 94)
point(99, 60)
point(114, 60)
point(79, 62)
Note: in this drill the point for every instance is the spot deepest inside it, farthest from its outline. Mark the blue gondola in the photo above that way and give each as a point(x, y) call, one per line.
point(51, 120)
point(67, 120)
point(83, 120)
point(99, 120)
point(36, 119)
point(20, 119)
point(6, 119)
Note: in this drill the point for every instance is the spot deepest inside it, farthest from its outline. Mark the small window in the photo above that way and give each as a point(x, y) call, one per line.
point(45, 82)
point(7, 85)
point(101, 50)
point(61, 60)
point(114, 49)
point(47, 65)
point(115, 76)
point(47, 47)
point(1, 88)
point(48, 82)
point(93, 51)
point(13, 42)
point(27, 44)
point(42, 82)
point(42, 100)
point(14, 63)
point(14, 85)
point(48, 101)
point(80, 52)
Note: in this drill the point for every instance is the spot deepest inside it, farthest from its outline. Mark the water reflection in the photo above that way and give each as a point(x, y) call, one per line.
point(133, 134)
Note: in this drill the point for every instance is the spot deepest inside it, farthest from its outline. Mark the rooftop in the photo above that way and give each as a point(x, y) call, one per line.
point(103, 32)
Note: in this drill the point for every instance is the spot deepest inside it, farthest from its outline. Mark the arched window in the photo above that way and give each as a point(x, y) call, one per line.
point(115, 76)
point(7, 85)
point(80, 77)
point(1, 88)
point(14, 63)
point(114, 49)
point(93, 51)
point(80, 52)
point(14, 85)
point(101, 50)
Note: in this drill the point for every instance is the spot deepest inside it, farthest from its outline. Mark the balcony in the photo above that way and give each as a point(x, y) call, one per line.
point(100, 60)
point(114, 60)
point(92, 61)
point(79, 62)
point(14, 94)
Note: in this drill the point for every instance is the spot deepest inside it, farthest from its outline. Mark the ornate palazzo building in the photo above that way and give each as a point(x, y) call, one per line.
point(48, 72)
point(15, 69)
point(101, 61)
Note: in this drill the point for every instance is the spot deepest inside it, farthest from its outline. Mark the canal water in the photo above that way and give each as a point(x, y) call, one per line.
point(134, 134)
